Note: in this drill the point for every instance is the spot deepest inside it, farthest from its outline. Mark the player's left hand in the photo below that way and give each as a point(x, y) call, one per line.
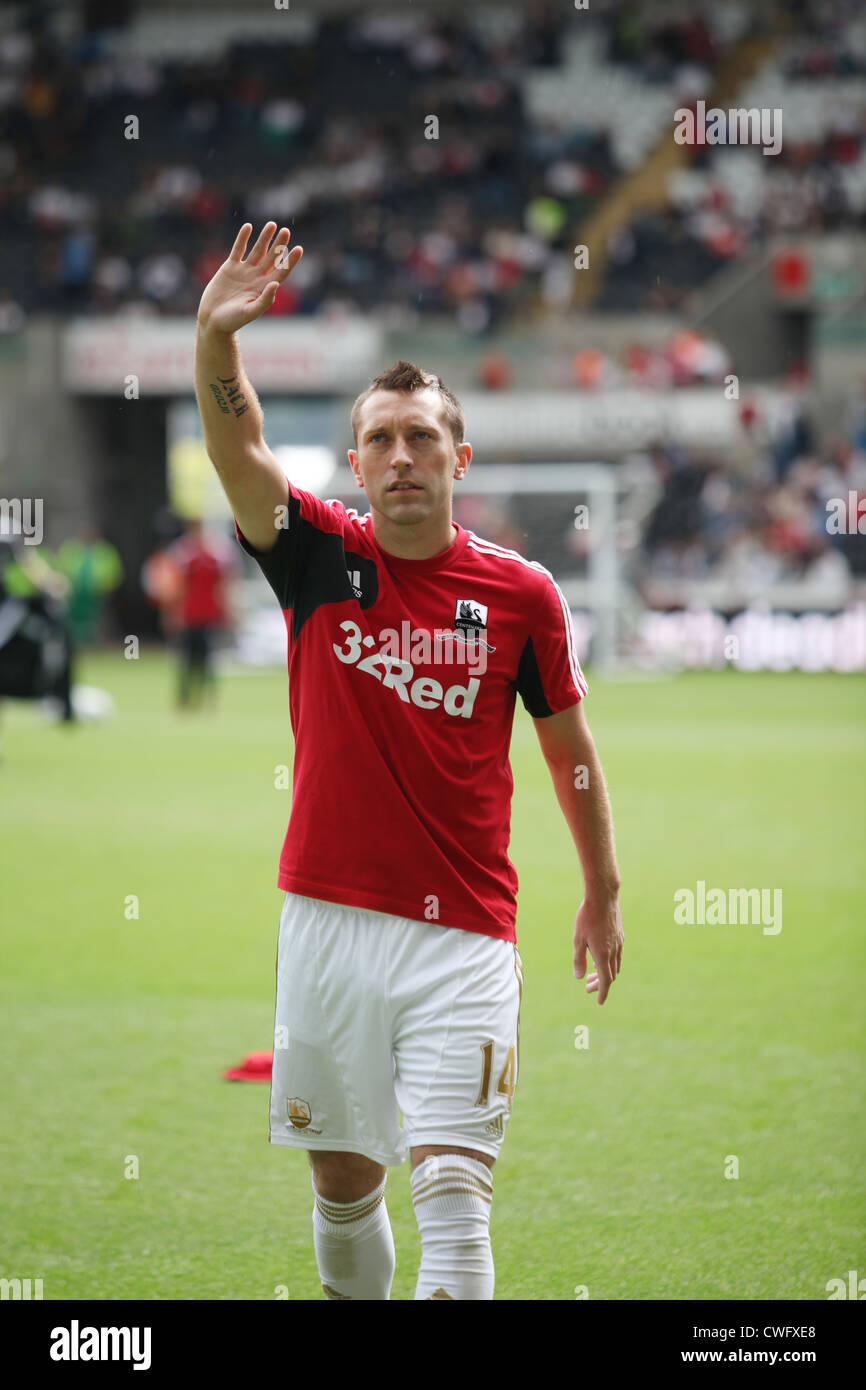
point(598, 927)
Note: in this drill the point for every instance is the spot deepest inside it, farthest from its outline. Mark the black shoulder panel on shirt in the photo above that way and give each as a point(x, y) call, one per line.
point(529, 684)
point(278, 564)
point(330, 574)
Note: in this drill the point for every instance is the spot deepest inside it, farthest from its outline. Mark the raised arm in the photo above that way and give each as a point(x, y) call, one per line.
point(570, 753)
point(240, 292)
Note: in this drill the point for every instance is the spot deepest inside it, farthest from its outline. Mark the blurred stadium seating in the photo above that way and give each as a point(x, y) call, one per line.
point(723, 297)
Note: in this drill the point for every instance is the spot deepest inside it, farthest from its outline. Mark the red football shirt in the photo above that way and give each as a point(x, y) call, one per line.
point(205, 565)
point(403, 676)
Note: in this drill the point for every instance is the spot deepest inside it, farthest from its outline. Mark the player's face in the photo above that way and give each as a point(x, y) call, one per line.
point(406, 456)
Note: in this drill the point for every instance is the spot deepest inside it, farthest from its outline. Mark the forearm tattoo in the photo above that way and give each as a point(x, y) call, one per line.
point(219, 398)
point(228, 396)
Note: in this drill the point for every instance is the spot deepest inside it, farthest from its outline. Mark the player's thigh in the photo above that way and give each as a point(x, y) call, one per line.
point(344, 1177)
point(456, 1041)
point(332, 1084)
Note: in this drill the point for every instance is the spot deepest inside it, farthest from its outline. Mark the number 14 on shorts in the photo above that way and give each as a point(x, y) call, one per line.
point(507, 1077)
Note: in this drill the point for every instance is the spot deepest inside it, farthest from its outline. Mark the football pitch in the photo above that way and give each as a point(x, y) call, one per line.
point(704, 1140)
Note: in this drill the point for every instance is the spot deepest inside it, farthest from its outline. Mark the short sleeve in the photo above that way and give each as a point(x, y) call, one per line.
point(284, 564)
point(277, 564)
point(549, 678)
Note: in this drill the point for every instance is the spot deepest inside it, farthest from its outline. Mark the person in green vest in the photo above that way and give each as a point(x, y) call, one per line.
point(94, 569)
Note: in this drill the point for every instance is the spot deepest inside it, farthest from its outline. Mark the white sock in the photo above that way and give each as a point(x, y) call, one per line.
point(451, 1194)
point(354, 1246)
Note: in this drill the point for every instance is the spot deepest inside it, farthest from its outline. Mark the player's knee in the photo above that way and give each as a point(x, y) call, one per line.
point(422, 1151)
point(344, 1177)
point(456, 1184)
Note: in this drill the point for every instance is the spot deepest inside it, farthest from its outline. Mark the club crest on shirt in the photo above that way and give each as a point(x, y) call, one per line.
point(469, 623)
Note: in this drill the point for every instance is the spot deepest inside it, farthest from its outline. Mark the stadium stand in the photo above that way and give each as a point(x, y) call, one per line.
point(272, 113)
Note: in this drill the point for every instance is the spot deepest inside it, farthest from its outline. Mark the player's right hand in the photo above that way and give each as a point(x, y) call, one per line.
point(598, 927)
point(242, 290)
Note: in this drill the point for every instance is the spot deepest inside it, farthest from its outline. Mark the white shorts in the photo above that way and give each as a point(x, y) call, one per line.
point(378, 1015)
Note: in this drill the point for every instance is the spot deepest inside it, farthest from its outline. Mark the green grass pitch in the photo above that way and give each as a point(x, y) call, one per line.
point(716, 1041)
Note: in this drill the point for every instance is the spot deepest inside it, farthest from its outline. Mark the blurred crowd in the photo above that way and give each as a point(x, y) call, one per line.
point(732, 198)
point(688, 522)
point(477, 223)
point(126, 168)
point(797, 517)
